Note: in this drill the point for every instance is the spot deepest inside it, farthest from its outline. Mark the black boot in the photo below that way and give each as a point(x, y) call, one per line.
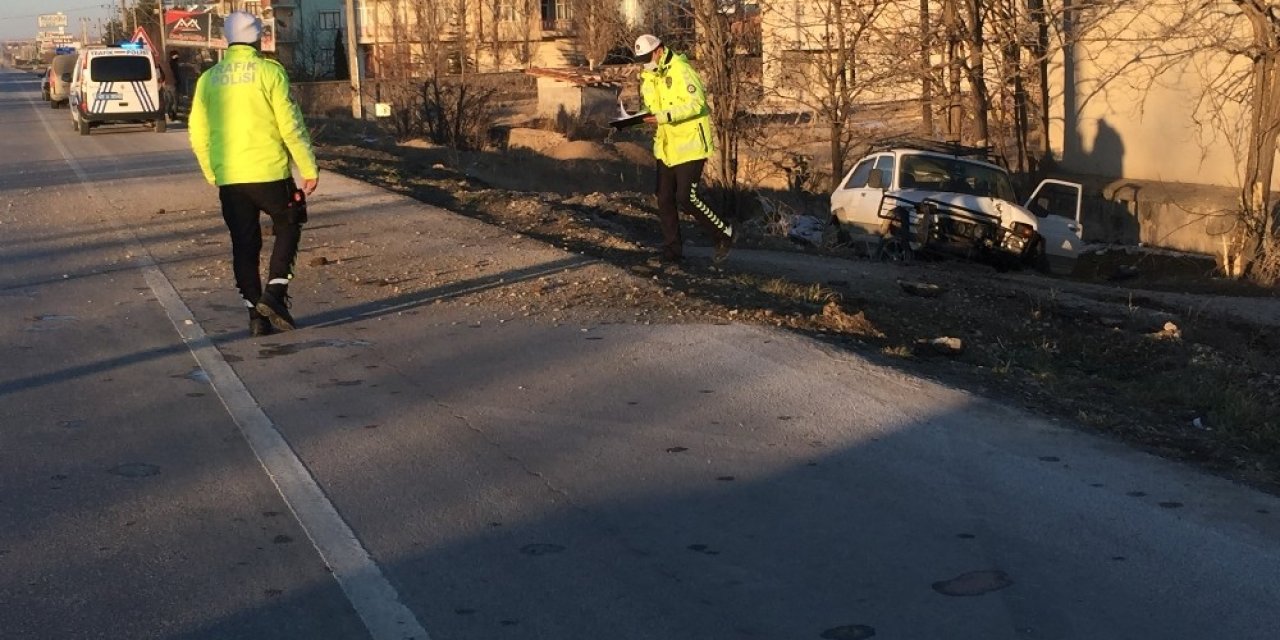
point(274, 304)
point(258, 324)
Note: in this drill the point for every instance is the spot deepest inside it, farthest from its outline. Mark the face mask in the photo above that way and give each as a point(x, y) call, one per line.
point(652, 63)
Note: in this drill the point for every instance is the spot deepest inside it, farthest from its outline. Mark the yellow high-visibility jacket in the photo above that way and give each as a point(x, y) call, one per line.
point(244, 125)
point(674, 94)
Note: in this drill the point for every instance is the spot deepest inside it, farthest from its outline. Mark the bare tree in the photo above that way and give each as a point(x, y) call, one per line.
point(836, 54)
point(600, 28)
point(722, 73)
point(313, 51)
point(1260, 252)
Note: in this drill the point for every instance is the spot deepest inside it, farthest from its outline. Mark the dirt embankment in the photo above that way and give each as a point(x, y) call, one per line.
point(1171, 371)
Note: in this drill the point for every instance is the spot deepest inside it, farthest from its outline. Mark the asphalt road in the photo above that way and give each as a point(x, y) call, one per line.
point(418, 466)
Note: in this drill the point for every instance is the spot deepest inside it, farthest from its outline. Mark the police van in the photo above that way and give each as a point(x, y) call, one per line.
point(116, 85)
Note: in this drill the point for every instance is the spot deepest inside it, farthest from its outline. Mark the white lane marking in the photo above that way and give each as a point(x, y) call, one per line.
point(368, 590)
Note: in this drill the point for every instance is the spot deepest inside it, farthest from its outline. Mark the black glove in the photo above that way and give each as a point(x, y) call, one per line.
point(297, 206)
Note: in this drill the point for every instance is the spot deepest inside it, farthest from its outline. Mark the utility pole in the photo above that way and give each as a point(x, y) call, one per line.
point(353, 62)
point(163, 54)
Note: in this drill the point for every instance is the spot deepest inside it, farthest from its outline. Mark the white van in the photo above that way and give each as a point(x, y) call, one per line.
point(116, 85)
point(59, 78)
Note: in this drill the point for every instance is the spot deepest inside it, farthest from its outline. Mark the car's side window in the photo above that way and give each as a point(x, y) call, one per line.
point(858, 177)
point(884, 164)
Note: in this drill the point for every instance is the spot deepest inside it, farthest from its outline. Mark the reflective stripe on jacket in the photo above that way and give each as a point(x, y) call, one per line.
point(244, 125)
point(673, 93)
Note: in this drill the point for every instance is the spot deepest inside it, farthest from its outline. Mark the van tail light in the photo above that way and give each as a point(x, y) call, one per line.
point(1023, 229)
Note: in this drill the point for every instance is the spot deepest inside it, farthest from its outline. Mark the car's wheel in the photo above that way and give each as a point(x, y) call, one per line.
point(1037, 258)
point(160, 124)
point(833, 235)
point(83, 127)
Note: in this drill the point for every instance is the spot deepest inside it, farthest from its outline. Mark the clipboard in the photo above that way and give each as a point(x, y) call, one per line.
point(629, 120)
point(626, 119)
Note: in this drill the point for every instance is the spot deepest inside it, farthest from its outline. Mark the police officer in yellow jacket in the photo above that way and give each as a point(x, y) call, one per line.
point(244, 129)
point(677, 103)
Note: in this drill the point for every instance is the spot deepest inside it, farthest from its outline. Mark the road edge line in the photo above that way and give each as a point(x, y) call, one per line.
point(367, 589)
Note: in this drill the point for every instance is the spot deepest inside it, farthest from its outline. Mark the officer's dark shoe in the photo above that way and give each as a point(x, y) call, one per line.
point(259, 327)
point(275, 307)
point(258, 324)
point(724, 244)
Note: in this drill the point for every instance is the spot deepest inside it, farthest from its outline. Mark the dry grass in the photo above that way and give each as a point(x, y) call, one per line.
point(1121, 377)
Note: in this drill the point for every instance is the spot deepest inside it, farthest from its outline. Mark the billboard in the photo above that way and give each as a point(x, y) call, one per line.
point(201, 26)
point(52, 21)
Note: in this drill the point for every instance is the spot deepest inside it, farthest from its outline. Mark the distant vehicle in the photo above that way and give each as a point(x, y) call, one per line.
point(917, 194)
point(58, 79)
point(116, 85)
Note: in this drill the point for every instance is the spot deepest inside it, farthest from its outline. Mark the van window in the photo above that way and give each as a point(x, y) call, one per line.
point(120, 69)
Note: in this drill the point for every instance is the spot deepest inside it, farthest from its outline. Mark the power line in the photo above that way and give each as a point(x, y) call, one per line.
point(37, 15)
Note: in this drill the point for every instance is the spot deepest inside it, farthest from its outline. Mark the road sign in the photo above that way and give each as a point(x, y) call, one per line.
point(141, 36)
point(51, 20)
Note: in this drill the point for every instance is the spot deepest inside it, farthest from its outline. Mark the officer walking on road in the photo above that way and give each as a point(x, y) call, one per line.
point(677, 102)
point(244, 129)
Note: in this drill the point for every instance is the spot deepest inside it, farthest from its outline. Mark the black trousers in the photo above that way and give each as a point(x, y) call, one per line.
point(678, 190)
point(241, 206)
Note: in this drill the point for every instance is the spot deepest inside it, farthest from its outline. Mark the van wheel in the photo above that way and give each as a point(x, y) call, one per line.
point(160, 125)
point(53, 104)
point(83, 127)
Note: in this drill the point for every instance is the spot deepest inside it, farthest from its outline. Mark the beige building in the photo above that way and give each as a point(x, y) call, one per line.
point(476, 35)
point(1119, 119)
point(1148, 101)
point(807, 44)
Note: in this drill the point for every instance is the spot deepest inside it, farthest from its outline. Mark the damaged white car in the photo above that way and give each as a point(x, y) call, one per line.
point(921, 195)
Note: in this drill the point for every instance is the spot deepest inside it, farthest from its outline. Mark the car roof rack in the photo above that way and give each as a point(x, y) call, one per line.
point(936, 146)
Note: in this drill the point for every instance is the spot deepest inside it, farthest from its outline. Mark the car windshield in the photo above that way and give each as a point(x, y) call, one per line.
point(954, 175)
point(120, 69)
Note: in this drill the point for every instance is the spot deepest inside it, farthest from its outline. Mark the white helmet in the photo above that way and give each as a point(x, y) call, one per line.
point(646, 43)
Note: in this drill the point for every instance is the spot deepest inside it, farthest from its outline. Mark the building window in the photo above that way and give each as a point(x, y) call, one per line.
point(507, 10)
point(330, 20)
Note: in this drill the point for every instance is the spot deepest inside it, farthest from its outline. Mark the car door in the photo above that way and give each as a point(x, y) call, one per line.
point(1057, 204)
point(844, 202)
point(870, 201)
point(75, 92)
